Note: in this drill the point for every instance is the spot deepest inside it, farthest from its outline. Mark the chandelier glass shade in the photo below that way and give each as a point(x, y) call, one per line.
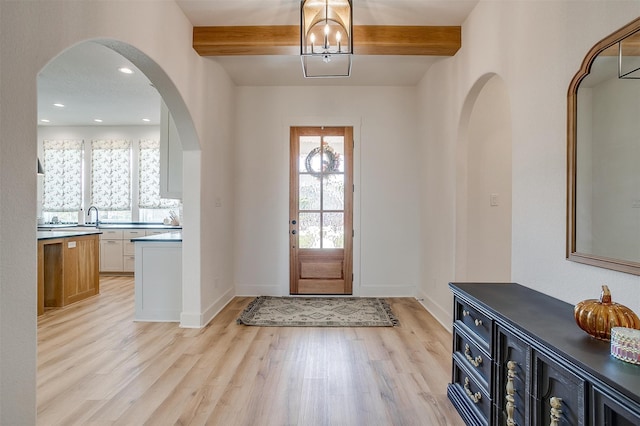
point(326, 42)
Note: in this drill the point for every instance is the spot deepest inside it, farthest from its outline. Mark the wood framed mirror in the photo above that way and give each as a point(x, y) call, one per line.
point(603, 161)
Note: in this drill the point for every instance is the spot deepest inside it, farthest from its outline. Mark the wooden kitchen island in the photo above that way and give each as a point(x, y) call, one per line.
point(68, 267)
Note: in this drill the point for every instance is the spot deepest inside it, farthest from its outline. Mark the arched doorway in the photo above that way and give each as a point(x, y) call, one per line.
point(169, 94)
point(484, 179)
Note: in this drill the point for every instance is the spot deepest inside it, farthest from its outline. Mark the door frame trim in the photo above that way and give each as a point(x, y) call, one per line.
point(330, 121)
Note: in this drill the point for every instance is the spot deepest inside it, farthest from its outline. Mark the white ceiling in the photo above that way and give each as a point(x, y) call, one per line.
point(86, 79)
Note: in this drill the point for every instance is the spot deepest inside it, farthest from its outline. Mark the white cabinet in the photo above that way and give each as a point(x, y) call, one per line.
point(170, 156)
point(158, 283)
point(111, 251)
point(117, 252)
point(128, 248)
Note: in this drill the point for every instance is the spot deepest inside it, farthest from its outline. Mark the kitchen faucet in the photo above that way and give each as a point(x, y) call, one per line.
point(97, 217)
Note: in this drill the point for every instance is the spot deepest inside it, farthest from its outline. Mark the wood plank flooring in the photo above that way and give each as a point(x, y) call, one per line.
point(98, 367)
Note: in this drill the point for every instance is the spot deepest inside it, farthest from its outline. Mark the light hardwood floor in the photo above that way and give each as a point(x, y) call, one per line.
point(98, 367)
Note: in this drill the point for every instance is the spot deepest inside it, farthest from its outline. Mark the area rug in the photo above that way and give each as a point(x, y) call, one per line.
point(271, 311)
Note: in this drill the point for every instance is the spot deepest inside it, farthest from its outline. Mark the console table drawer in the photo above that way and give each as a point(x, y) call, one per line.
point(474, 395)
point(469, 354)
point(474, 321)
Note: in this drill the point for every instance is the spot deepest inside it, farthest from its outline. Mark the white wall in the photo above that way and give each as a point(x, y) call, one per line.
point(156, 37)
point(536, 48)
point(88, 133)
point(386, 217)
point(488, 164)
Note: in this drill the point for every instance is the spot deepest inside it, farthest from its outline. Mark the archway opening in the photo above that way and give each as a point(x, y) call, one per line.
point(167, 92)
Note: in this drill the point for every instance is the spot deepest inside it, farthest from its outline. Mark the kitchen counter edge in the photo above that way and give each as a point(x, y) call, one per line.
point(51, 235)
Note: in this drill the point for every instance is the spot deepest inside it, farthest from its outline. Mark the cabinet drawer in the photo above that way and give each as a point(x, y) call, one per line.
point(156, 232)
point(129, 248)
point(129, 263)
point(478, 323)
point(128, 234)
point(474, 395)
point(469, 354)
point(111, 234)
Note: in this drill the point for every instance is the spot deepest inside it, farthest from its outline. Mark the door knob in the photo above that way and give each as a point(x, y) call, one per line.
point(293, 232)
point(293, 222)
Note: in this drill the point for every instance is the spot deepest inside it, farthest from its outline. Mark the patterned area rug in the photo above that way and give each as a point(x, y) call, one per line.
point(271, 311)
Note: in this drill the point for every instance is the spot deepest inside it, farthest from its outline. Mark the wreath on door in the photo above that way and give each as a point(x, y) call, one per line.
point(329, 160)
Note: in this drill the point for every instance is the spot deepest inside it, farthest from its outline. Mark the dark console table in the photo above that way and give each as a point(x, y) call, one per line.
point(520, 359)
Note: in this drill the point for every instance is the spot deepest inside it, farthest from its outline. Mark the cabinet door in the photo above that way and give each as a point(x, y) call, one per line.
point(608, 409)
point(111, 256)
point(170, 156)
point(80, 266)
point(558, 395)
point(513, 360)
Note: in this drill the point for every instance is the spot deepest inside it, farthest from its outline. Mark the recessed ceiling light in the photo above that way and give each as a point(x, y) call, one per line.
point(146, 120)
point(44, 120)
point(97, 120)
point(59, 105)
point(125, 70)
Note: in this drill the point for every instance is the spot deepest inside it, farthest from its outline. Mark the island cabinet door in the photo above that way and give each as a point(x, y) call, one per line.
point(558, 397)
point(81, 268)
point(513, 380)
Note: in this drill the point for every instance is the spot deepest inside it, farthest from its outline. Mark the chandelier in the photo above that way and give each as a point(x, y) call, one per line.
point(326, 43)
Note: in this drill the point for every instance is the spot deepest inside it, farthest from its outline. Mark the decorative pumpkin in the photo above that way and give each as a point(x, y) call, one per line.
point(596, 317)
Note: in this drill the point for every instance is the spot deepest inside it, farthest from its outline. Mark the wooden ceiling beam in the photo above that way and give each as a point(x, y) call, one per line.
point(367, 40)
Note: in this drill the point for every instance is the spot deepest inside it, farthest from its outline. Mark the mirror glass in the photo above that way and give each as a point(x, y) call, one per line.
point(604, 155)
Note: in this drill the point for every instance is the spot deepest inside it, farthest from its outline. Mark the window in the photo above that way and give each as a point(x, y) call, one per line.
point(62, 191)
point(111, 179)
point(122, 178)
point(152, 207)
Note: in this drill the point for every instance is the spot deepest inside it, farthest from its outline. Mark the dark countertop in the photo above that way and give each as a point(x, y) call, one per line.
point(168, 237)
point(551, 321)
point(124, 225)
point(50, 235)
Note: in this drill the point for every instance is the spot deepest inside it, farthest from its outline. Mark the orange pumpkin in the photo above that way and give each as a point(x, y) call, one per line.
point(596, 317)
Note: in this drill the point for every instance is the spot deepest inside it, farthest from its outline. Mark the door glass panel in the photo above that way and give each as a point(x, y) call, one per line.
point(309, 154)
point(309, 230)
point(332, 230)
point(333, 192)
point(334, 147)
point(309, 192)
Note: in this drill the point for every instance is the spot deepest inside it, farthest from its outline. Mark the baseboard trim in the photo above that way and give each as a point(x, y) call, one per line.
point(441, 315)
point(386, 291)
point(260, 290)
point(199, 320)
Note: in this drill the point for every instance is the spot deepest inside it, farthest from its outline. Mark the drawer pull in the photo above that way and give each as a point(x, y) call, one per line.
point(474, 361)
point(475, 397)
point(477, 322)
point(556, 410)
point(510, 389)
